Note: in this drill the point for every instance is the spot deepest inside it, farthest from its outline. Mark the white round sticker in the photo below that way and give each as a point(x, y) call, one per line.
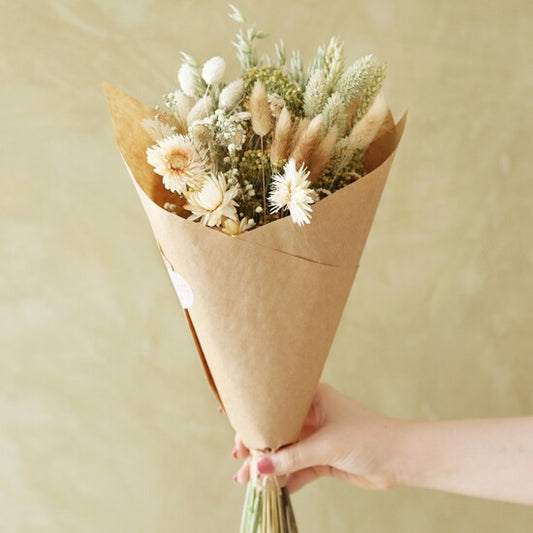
point(183, 289)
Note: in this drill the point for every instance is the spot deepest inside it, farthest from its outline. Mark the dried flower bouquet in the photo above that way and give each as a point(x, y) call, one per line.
point(270, 143)
point(291, 163)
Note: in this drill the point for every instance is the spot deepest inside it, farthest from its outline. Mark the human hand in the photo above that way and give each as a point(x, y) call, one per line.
point(339, 438)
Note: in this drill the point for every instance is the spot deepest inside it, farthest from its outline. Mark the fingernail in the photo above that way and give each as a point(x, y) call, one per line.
point(235, 478)
point(235, 453)
point(265, 466)
point(221, 410)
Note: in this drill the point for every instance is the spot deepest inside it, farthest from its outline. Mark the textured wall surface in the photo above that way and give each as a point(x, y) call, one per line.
point(106, 423)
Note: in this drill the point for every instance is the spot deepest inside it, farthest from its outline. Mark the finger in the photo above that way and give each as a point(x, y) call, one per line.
point(297, 480)
point(314, 417)
point(243, 474)
point(310, 416)
point(309, 452)
point(307, 429)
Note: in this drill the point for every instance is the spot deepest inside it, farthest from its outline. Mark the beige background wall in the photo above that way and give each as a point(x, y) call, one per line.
point(106, 423)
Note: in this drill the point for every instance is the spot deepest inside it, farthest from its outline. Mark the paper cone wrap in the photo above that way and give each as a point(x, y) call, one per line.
point(263, 306)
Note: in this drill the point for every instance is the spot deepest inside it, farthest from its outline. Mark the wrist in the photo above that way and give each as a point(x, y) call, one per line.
point(402, 466)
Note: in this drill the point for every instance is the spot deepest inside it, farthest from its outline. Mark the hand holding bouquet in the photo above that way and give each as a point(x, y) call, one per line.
point(261, 193)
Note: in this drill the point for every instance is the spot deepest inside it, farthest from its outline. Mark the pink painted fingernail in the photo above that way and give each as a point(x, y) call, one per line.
point(235, 453)
point(235, 478)
point(265, 466)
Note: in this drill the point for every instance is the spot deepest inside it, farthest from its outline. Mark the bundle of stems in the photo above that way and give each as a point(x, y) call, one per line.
point(267, 505)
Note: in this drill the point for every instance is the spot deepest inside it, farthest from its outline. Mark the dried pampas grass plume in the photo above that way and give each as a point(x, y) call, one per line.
point(261, 116)
point(200, 110)
point(302, 125)
point(231, 95)
point(321, 157)
point(364, 132)
point(308, 142)
point(281, 143)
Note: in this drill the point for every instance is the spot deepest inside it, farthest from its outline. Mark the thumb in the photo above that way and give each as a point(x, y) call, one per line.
point(309, 452)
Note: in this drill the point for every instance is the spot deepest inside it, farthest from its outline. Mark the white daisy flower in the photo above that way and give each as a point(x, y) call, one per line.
point(291, 190)
point(187, 79)
point(234, 227)
point(213, 201)
point(213, 70)
point(177, 160)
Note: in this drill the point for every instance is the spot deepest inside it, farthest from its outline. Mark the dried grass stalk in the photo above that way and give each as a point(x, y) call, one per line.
point(261, 116)
point(308, 142)
point(267, 505)
point(281, 143)
point(299, 131)
point(322, 155)
point(201, 109)
point(365, 130)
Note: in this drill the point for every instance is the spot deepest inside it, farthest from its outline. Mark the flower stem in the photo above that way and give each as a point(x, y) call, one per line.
point(267, 506)
point(264, 181)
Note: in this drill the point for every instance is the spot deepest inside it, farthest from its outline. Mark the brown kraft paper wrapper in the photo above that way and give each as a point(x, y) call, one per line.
point(263, 306)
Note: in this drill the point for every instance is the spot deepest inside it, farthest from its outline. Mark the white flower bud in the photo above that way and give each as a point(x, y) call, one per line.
point(231, 95)
point(213, 70)
point(187, 79)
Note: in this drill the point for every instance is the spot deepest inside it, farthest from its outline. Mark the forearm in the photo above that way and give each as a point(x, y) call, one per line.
point(488, 458)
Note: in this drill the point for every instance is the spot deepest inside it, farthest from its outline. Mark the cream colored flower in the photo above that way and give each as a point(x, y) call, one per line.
point(233, 227)
point(177, 160)
point(213, 201)
point(291, 190)
point(213, 70)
